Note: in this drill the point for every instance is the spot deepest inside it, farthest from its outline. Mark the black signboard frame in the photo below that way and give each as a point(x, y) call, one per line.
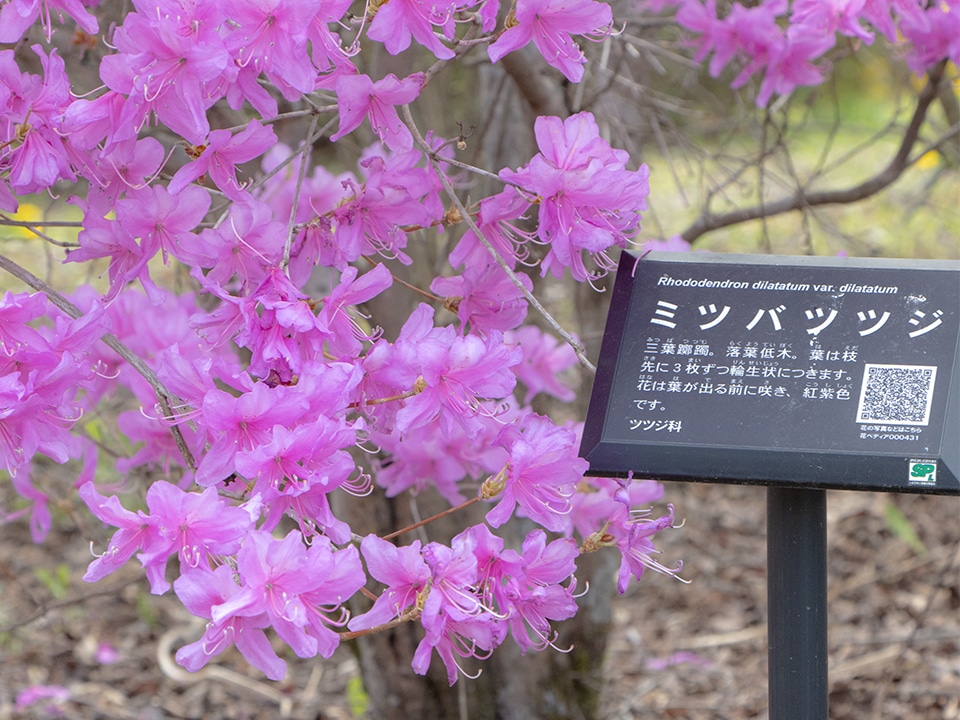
point(783, 297)
point(902, 434)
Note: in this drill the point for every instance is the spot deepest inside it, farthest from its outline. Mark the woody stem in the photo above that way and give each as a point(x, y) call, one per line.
point(419, 291)
point(448, 511)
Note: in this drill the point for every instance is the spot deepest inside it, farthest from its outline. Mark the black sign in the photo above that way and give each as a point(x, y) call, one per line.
point(794, 371)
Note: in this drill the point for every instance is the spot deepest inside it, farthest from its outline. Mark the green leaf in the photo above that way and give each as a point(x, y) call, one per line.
point(95, 429)
point(146, 609)
point(357, 696)
point(903, 529)
point(57, 582)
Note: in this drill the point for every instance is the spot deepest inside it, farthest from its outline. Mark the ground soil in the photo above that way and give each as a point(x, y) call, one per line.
point(694, 651)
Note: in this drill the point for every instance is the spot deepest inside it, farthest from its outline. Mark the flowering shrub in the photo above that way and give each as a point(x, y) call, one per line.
point(253, 393)
point(787, 41)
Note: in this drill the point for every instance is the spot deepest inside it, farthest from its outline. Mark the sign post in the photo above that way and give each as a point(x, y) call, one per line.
point(798, 373)
point(797, 603)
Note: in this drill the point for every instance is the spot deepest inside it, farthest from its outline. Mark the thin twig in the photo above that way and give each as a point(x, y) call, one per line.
point(165, 398)
point(413, 288)
point(442, 514)
point(287, 116)
point(897, 166)
point(295, 205)
point(30, 224)
point(34, 228)
point(478, 171)
point(406, 617)
point(113, 592)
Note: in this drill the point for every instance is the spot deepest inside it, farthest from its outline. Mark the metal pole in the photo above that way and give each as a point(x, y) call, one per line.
point(797, 603)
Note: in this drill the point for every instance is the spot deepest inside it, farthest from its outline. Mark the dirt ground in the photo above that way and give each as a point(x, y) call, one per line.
point(694, 651)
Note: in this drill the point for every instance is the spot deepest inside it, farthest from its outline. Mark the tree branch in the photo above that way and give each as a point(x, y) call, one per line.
point(164, 397)
point(708, 222)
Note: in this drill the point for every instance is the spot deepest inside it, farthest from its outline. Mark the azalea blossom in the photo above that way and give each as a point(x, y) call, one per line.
point(200, 591)
point(398, 21)
point(589, 200)
point(549, 24)
point(16, 17)
point(219, 156)
point(541, 474)
point(404, 572)
point(358, 97)
point(633, 538)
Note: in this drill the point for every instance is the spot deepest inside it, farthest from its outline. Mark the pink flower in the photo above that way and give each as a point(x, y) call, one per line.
point(486, 298)
point(542, 473)
point(248, 242)
point(103, 238)
point(273, 574)
point(358, 97)
point(325, 44)
point(633, 538)
point(164, 72)
point(163, 222)
point(457, 623)
point(243, 423)
point(458, 372)
point(424, 457)
point(344, 335)
point(671, 244)
point(373, 216)
point(496, 222)
point(126, 166)
point(16, 17)
point(402, 570)
point(134, 532)
point(715, 35)
point(933, 30)
point(550, 23)
point(677, 658)
point(8, 202)
point(397, 21)
point(106, 654)
point(35, 153)
point(201, 590)
point(535, 594)
point(451, 570)
point(589, 201)
point(52, 695)
point(221, 154)
point(286, 333)
point(296, 470)
point(826, 17)
point(37, 164)
point(544, 360)
point(194, 526)
point(15, 312)
point(40, 376)
point(339, 576)
point(789, 64)
point(606, 500)
point(271, 36)
point(293, 460)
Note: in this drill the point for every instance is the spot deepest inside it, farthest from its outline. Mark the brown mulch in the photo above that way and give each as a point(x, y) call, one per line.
point(893, 612)
point(694, 651)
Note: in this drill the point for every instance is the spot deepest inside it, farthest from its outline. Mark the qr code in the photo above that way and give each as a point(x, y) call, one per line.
point(896, 394)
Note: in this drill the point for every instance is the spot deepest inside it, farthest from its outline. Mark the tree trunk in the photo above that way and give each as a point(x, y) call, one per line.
point(550, 685)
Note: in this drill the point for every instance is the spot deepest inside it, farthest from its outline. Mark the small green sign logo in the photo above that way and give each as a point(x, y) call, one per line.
point(923, 472)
